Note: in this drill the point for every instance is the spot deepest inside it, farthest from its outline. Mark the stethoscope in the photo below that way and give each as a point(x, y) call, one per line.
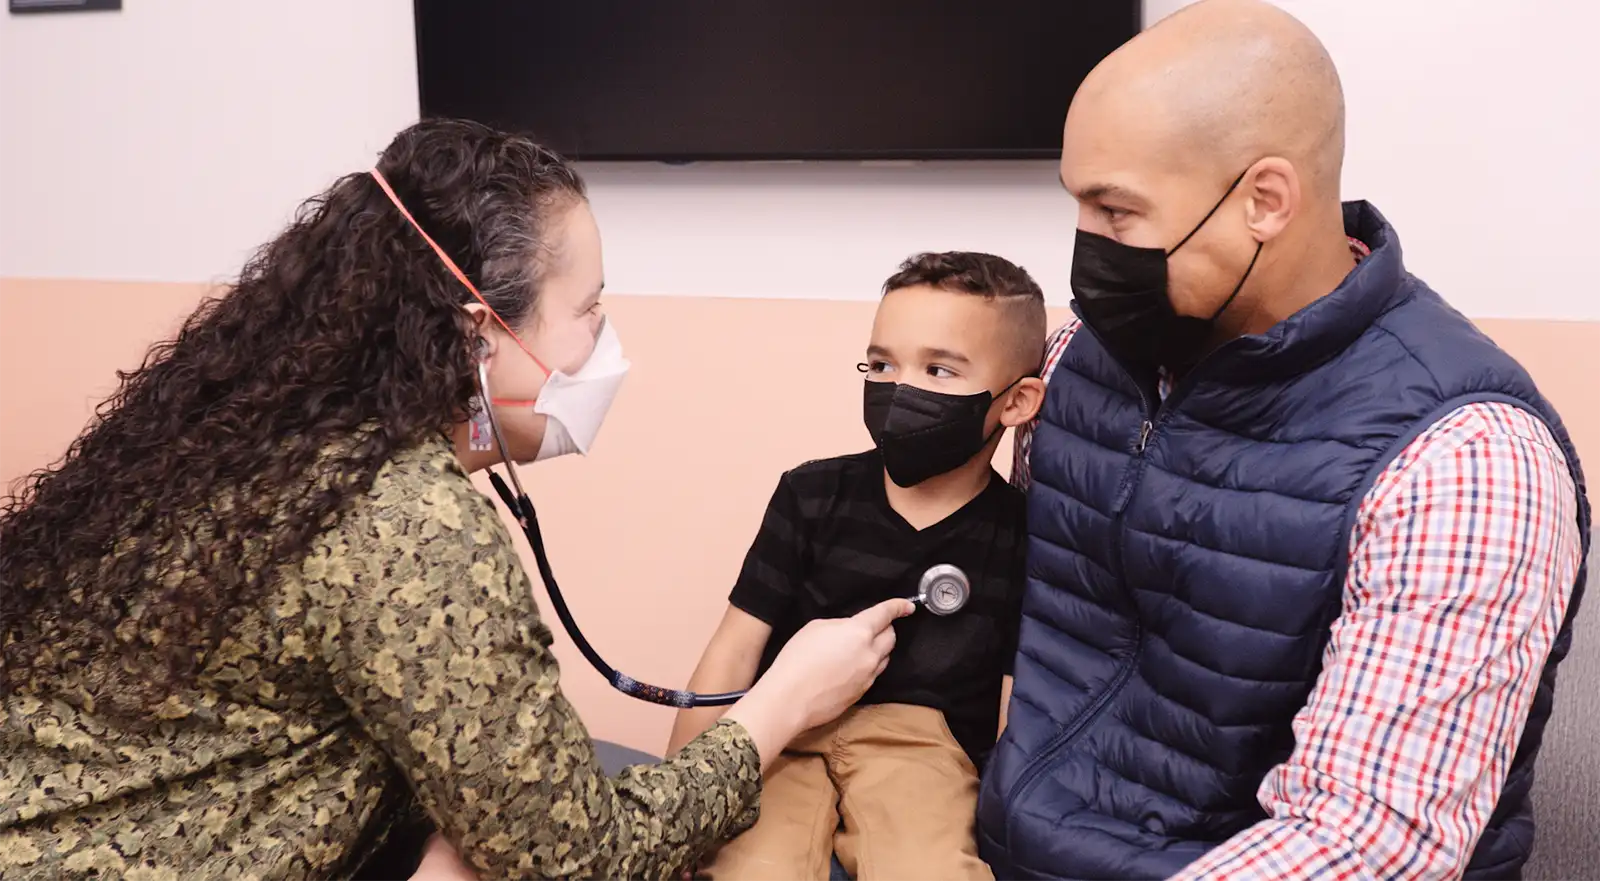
point(942, 590)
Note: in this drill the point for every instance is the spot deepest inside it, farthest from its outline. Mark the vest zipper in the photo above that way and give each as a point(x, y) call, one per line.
point(1130, 479)
point(1153, 415)
point(1069, 732)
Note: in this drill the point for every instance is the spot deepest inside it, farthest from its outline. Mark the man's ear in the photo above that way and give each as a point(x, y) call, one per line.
point(1273, 197)
point(1024, 402)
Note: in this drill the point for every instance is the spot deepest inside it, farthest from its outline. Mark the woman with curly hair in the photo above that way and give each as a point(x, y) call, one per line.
point(258, 617)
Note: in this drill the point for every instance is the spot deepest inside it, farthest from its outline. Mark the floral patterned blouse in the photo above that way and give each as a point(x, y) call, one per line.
point(402, 667)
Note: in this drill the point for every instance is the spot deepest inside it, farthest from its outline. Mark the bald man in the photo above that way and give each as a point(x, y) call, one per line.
point(1305, 546)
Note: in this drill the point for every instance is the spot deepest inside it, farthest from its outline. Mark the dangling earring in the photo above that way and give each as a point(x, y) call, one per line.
point(481, 433)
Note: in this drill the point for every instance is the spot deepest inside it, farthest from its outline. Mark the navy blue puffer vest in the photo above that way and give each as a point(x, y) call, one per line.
point(1183, 575)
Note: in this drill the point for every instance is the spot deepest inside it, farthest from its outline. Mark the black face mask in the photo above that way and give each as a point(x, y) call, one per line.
point(1122, 295)
point(923, 434)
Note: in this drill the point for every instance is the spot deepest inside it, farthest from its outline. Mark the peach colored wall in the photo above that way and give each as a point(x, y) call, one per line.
point(646, 533)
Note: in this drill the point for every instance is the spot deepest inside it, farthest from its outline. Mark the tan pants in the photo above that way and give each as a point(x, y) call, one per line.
point(886, 787)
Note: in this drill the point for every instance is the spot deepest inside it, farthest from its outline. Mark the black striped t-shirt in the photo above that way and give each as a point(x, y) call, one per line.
point(830, 546)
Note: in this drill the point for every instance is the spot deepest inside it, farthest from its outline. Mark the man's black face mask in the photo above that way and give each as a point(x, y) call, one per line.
point(1123, 296)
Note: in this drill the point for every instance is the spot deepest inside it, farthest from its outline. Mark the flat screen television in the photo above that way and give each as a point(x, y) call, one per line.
point(693, 80)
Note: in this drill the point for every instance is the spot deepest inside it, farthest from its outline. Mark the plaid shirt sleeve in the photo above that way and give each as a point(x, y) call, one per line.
point(1462, 566)
point(1021, 476)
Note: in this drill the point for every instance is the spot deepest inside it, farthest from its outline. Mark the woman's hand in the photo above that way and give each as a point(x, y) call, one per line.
point(821, 672)
point(440, 862)
point(829, 664)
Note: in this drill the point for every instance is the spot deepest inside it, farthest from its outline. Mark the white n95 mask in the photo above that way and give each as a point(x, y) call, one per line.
point(576, 405)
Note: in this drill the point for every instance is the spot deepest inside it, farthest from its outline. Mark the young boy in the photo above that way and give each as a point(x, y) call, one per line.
point(891, 787)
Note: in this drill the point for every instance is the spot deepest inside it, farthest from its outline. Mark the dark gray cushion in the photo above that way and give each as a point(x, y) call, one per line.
point(613, 758)
point(1566, 792)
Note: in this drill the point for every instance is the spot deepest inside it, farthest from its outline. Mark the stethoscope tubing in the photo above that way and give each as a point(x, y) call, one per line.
point(521, 507)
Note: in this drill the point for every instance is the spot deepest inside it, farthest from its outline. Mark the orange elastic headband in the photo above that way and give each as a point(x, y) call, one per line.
point(454, 270)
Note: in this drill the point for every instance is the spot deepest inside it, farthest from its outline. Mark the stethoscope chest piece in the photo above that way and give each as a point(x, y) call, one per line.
point(943, 590)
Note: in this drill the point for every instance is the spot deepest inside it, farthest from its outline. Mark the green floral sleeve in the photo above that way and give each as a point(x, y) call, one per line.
point(426, 620)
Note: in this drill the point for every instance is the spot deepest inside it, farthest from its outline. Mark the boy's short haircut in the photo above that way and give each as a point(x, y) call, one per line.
point(999, 281)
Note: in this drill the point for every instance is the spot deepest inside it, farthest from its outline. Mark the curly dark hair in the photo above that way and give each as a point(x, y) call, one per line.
point(234, 445)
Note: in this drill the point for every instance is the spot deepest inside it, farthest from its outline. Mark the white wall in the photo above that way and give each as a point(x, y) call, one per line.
point(166, 141)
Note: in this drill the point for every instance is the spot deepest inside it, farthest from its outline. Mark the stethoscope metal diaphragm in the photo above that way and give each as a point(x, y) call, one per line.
point(943, 590)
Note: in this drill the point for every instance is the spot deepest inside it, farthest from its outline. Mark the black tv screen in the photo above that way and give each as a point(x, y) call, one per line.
point(685, 80)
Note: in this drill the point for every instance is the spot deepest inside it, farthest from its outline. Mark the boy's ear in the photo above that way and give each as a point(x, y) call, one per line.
point(1024, 402)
